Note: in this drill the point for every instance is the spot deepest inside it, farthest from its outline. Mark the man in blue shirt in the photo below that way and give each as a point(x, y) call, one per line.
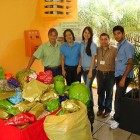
point(123, 70)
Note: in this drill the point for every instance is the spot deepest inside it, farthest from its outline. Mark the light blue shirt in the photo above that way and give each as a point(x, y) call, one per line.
point(71, 53)
point(125, 52)
point(86, 60)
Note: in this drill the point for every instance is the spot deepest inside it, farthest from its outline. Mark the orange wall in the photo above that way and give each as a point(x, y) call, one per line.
point(17, 16)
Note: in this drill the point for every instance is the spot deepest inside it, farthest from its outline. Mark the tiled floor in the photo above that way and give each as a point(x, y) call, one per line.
point(102, 130)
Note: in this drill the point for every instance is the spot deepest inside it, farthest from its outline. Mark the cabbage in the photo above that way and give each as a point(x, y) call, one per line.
point(79, 92)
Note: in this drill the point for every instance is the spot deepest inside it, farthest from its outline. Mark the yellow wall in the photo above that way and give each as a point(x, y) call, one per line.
point(17, 16)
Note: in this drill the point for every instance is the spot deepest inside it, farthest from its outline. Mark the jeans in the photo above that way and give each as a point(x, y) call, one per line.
point(105, 82)
point(120, 91)
point(89, 82)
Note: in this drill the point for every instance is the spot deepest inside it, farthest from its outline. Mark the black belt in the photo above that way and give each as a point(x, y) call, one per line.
point(53, 67)
point(106, 72)
point(71, 66)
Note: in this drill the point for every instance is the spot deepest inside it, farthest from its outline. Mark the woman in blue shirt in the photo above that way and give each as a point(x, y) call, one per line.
point(70, 55)
point(88, 56)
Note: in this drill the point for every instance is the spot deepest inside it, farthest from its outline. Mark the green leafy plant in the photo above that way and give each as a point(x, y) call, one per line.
point(136, 66)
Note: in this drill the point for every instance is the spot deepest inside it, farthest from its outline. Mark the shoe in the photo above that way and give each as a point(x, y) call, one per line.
point(100, 112)
point(106, 114)
point(112, 118)
point(114, 125)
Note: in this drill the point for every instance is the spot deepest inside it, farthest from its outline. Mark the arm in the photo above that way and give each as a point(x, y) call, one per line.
point(79, 65)
point(127, 70)
point(91, 66)
point(62, 64)
point(31, 61)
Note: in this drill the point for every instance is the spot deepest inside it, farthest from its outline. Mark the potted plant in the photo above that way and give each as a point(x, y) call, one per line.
point(130, 103)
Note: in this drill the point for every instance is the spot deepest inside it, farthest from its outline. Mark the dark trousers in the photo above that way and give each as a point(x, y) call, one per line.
point(56, 71)
point(89, 82)
point(71, 74)
point(120, 91)
point(105, 83)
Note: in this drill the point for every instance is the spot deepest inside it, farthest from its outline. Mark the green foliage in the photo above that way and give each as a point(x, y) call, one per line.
point(103, 15)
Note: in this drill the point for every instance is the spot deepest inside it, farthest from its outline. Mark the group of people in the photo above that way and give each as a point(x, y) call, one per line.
point(106, 62)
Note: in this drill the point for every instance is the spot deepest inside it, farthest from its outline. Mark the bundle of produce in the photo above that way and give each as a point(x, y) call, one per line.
point(45, 77)
point(59, 84)
point(79, 92)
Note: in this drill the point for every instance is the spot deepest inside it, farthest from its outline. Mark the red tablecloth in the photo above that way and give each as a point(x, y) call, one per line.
point(34, 131)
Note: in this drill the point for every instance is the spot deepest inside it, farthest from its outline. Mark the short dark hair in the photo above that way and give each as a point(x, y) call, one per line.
point(104, 34)
point(118, 27)
point(52, 30)
point(64, 34)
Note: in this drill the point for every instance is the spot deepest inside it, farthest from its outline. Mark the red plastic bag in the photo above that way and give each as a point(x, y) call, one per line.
point(45, 77)
point(21, 119)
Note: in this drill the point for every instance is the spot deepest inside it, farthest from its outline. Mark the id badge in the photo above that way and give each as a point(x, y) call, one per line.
point(116, 59)
point(102, 62)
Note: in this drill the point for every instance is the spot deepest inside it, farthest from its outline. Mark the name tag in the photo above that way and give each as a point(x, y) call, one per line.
point(102, 62)
point(116, 59)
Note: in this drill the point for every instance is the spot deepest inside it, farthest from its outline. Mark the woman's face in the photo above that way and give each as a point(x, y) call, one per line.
point(69, 37)
point(86, 35)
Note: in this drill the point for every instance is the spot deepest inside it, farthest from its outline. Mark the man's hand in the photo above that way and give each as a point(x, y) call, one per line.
point(78, 69)
point(89, 74)
point(64, 73)
point(122, 82)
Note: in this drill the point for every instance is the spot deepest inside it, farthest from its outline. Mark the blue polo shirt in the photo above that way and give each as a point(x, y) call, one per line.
point(125, 52)
point(86, 60)
point(71, 53)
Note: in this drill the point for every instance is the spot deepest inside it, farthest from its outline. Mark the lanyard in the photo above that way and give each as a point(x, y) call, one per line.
point(119, 47)
point(104, 52)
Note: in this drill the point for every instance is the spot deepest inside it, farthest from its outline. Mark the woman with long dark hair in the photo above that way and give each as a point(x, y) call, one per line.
point(88, 56)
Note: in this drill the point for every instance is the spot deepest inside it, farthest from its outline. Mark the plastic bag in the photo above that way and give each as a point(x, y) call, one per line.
point(22, 77)
point(25, 106)
point(59, 84)
point(49, 95)
point(17, 98)
point(37, 109)
point(45, 77)
point(21, 119)
point(70, 106)
point(5, 86)
point(71, 126)
point(13, 82)
point(2, 76)
point(6, 94)
point(34, 90)
point(5, 104)
point(4, 114)
point(52, 105)
point(79, 92)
